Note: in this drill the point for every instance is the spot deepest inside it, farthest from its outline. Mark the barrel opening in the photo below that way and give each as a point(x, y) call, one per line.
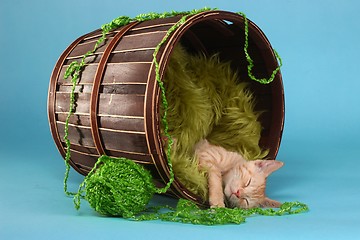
point(226, 38)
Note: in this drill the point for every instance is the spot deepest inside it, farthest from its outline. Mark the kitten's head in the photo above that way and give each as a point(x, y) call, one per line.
point(244, 185)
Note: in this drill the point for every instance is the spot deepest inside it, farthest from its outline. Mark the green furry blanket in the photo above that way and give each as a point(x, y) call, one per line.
point(206, 100)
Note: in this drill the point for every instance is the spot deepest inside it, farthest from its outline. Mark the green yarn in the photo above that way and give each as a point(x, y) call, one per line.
point(117, 187)
point(120, 187)
point(188, 212)
point(251, 62)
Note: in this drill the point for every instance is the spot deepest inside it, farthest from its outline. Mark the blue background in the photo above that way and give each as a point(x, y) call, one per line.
point(319, 44)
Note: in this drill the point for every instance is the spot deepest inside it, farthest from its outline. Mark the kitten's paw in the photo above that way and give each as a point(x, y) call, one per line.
point(217, 205)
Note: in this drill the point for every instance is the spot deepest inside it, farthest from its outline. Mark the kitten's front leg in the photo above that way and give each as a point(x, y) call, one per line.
point(216, 195)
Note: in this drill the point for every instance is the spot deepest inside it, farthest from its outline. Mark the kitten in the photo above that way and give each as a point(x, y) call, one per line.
point(233, 180)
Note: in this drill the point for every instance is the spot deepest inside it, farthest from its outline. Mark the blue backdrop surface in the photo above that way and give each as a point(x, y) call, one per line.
point(319, 44)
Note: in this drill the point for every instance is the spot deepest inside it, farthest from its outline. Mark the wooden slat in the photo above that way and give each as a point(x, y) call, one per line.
point(117, 72)
point(83, 48)
point(155, 23)
point(138, 89)
point(84, 160)
point(139, 41)
point(109, 129)
point(126, 124)
point(134, 50)
point(84, 153)
point(128, 142)
point(85, 150)
point(95, 58)
point(87, 75)
point(115, 104)
point(66, 89)
point(136, 157)
point(127, 72)
point(92, 153)
point(110, 122)
point(89, 42)
point(112, 104)
point(152, 28)
point(77, 136)
point(131, 57)
point(63, 101)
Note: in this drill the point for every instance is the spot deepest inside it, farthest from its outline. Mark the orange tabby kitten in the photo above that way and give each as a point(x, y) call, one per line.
point(233, 180)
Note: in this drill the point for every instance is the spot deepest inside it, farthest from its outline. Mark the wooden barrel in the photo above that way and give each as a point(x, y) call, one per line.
point(117, 96)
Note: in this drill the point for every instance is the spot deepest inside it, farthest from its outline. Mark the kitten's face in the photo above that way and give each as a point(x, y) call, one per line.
point(244, 185)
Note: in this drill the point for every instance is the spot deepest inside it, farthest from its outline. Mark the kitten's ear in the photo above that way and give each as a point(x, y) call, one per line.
point(269, 203)
point(268, 166)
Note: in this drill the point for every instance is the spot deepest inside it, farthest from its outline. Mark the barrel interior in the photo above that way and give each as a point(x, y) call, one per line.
point(227, 38)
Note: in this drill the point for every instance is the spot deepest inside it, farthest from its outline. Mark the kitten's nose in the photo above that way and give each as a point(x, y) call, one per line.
point(239, 193)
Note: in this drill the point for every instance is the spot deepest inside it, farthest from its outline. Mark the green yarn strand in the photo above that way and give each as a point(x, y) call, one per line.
point(165, 104)
point(188, 212)
point(251, 62)
point(72, 69)
point(81, 190)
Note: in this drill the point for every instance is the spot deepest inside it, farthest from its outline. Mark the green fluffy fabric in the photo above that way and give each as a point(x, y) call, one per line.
point(206, 100)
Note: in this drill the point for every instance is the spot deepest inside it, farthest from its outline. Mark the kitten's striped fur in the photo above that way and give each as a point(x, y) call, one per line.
point(233, 181)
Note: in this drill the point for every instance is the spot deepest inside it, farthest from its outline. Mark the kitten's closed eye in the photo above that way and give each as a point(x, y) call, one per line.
point(248, 182)
point(245, 202)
